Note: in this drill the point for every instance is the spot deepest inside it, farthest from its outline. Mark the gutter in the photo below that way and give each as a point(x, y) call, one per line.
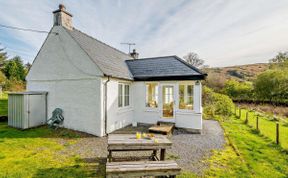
point(105, 105)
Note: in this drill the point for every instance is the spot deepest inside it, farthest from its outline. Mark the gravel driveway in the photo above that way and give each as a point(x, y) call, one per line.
point(189, 150)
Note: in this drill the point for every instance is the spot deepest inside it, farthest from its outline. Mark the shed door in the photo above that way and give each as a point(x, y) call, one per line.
point(36, 110)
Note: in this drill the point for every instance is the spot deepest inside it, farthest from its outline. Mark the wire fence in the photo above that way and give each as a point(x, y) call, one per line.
point(272, 127)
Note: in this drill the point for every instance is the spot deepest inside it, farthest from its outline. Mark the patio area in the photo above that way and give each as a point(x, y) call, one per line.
point(187, 149)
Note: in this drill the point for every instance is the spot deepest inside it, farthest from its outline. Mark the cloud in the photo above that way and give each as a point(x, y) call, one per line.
point(222, 32)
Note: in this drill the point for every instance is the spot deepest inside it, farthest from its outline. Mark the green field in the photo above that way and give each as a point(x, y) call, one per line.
point(267, 126)
point(247, 154)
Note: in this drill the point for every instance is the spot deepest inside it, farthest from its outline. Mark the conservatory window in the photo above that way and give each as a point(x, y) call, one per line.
point(186, 97)
point(152, 95)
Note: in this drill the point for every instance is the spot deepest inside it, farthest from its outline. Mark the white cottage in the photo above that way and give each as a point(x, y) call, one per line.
point(101, 89)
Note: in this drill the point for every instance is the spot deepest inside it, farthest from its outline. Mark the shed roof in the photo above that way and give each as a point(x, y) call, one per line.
point(163, 68)
point(109, 60)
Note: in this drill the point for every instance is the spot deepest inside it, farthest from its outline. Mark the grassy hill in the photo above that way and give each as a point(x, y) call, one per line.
point(241, 72)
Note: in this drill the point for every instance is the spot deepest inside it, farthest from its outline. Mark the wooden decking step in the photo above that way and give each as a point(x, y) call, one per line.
point(142, 168)
point(162, 128)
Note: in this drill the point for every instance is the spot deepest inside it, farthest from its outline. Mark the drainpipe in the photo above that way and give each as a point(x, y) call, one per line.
point(105, 105)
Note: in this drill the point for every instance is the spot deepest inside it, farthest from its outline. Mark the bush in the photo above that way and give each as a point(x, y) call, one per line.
point(238, 90)
point(14, 85)
point(272, 85)
point(216, 103)
point(215, 80)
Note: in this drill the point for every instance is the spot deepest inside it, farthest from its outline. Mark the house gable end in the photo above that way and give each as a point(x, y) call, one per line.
point(60, 58)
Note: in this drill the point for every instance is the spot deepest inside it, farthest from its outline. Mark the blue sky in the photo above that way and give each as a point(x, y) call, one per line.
point(222, 32)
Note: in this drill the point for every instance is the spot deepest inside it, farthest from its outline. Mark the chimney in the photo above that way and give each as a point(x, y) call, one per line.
point(134, 54)
point(62, 17)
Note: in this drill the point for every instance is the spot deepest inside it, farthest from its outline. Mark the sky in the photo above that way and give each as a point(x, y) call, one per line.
point(222, 32)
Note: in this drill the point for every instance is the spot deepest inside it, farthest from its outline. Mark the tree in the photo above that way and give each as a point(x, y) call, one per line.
point(2, 78)
point(14, 69)
point(3, 58)
point(279, 61)
point(272, 85)
point(193, 59)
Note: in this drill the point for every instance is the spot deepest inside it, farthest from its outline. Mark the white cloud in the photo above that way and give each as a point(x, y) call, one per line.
point(222, 32)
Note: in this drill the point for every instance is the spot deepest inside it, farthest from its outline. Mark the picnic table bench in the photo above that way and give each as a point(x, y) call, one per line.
point(142, 168)
point(128, 142)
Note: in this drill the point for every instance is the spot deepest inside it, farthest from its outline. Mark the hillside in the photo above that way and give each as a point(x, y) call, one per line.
point(241, 72)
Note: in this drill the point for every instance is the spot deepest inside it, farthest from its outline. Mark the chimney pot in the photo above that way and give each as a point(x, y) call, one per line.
point(62, 7)
point(134, 54)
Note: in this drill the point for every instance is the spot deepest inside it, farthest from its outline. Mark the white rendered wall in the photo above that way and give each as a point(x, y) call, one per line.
point(191, 119)
point(79, 99)
point(117, 117)
point(72, 80)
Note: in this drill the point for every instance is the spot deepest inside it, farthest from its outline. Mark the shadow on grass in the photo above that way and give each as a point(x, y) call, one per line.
point(39, 132)
point(271, 143)
point(87, 167)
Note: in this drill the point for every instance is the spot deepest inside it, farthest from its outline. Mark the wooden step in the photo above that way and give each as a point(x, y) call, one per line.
point(162, 129)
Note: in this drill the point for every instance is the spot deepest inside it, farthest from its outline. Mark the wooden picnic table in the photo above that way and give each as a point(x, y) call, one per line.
point(128, 142)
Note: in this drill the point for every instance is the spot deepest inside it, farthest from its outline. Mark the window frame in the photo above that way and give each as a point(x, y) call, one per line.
point(186, 97)
point(156, 95)
point(124, 95)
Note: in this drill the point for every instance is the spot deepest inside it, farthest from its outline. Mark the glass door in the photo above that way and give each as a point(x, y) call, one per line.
point(168, 101)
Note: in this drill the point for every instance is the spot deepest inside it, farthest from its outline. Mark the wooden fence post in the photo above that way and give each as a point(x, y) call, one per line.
point(240, 112)
point(247, 114)
point(257, 123)
point(277, 133)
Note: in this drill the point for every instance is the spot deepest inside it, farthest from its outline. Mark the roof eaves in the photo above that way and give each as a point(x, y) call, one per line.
point(169, 78)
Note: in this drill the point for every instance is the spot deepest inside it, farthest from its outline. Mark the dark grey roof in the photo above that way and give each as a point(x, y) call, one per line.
point(110, 60)
point(163, 68)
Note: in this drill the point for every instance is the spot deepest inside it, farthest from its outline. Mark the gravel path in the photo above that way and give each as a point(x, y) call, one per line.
point(193, 148)
point(189, 150)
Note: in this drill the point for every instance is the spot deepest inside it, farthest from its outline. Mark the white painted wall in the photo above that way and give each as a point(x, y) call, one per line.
point(117, 117)
point(79, 99)
point(183, 118)
point(72, 80)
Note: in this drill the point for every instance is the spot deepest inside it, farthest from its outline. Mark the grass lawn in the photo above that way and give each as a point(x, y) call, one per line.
point(267, 127)
point(249, 154)
point(41, 153)
point(3, 107)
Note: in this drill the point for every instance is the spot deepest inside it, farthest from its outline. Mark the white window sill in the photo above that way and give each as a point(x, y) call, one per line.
point(183, 111)
point(125, 109)
point(151, 109)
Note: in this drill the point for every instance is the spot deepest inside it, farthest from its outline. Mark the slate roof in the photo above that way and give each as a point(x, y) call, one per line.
point(115, 63)
point(163, 68)
point(109, 60)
